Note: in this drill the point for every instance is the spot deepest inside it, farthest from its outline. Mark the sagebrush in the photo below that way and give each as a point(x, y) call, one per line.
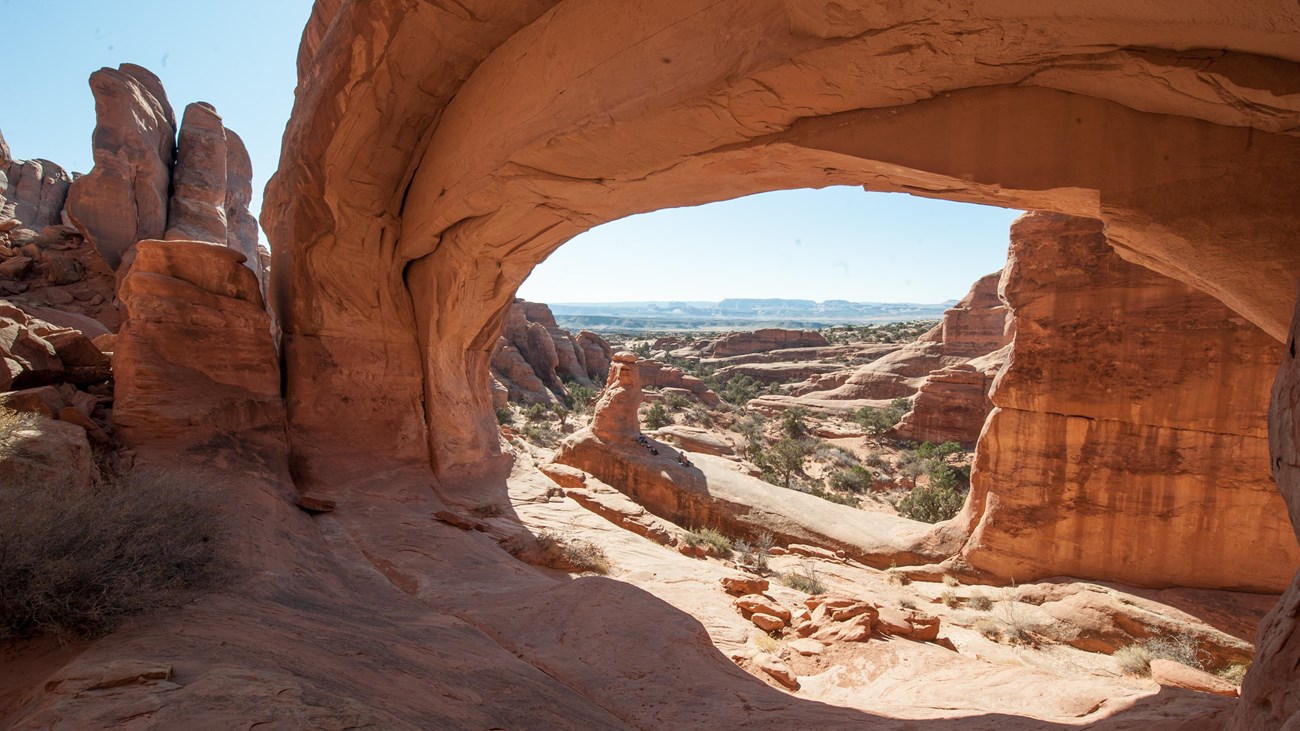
point(78, 561)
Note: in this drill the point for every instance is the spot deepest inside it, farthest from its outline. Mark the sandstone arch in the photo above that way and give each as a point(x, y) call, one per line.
point(439, 150)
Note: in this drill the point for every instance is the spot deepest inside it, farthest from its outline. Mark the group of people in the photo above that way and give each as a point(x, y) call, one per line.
point(644, 441)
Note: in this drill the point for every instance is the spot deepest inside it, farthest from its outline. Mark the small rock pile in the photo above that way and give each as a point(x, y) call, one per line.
point(823, 620)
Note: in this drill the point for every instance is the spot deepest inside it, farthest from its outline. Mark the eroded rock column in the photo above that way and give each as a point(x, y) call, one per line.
point(1129, 440)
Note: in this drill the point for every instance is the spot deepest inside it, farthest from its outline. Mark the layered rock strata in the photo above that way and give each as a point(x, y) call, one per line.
point(1129, 438)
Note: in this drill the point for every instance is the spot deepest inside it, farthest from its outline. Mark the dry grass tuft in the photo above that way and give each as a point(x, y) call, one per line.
point(988, 628)
point(1133, 660)
point(950, 580)
point(804, 579)
point(766, 643)
point(713, 542)
point(79, 561)
point(557, 552)
point(979, 602)
point(949, 598)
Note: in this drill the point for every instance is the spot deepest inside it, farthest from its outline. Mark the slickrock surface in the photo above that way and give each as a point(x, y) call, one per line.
point(1129, 442)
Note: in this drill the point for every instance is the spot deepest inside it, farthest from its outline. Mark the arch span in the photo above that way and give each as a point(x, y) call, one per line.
point(439, 150)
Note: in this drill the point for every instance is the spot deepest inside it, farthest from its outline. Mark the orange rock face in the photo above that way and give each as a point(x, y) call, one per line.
point(194, 360)
point(1129, 442)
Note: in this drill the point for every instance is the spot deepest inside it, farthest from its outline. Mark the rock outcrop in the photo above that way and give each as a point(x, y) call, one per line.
point(535, 359)
point(197, 210)
point(658, 375)
point(947, 372)
point(195, 360)
point(1129, 439)
point(758, 341)
point(125, 196)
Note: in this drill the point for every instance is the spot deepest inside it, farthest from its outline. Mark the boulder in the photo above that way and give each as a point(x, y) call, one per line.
point(43, 452)
point(742, 585)
point(772, 666)
point(1177, 675)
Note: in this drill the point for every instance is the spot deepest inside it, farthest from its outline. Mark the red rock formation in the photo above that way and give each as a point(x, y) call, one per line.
point(490, 137)
point(757, 341)
point(124, 198)
point(534, 358)
point(195, 359)
point(1129, 439)
point(957, 355)
point(658, 375)
point(197, 211)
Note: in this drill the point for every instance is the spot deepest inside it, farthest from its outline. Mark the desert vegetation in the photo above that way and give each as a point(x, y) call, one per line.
point(79, 561)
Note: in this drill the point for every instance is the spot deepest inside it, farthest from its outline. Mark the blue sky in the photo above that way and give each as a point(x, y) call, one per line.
point(239, 55)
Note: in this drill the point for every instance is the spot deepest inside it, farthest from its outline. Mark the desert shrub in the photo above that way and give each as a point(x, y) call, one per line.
point(875, 460)
point(487, 510)
point(1233, 673)
point(907, 603)
point(754, 556)
point(855, 479)
point(783, 459)
point(794, 423)
point(79, 562)
point(714, 543)
point(551, 549)
point(676, 401)
point(657, 417)
point(979, 602)
point(1179, 648)
point(536, 413)
point(1133, 660)
point(804, 579)
point(505, 415)
point(950, 581)
point(1015, 628)
point(699, 416)
point(988, 628)
point(580, 397)
point(736, 391)
point(944, 476)
point(586, 556)
point(836, 455)
point(832, 497)
point(931, 504)
point(949, 598)
point(926, 450)
point(897, 576)
point(540, 435)
point(642, 349)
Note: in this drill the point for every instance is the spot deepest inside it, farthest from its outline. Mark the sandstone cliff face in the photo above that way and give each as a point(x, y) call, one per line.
point(534, 358)
point(1129, 439)
point(743, 343)
point(195, 360)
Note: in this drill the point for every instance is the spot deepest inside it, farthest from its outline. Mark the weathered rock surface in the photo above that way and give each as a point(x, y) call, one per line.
point(197, 210)
point(534, 358)
point(34, 352)
point(194, 360)
point(658, 375)
point(125, 196)
point(1131, 416)
point(757, 341)
point(47, 454)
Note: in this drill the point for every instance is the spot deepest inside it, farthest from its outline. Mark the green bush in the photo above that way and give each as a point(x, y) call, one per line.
point(536, 413)
point(856, 479)
point(79, 561)
point(657, 417)
point(794, 423)
point(931, 504)
point(783, 459)
point(505, 416)
point(927, 450)
point(580, 397)
point(714, 543)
